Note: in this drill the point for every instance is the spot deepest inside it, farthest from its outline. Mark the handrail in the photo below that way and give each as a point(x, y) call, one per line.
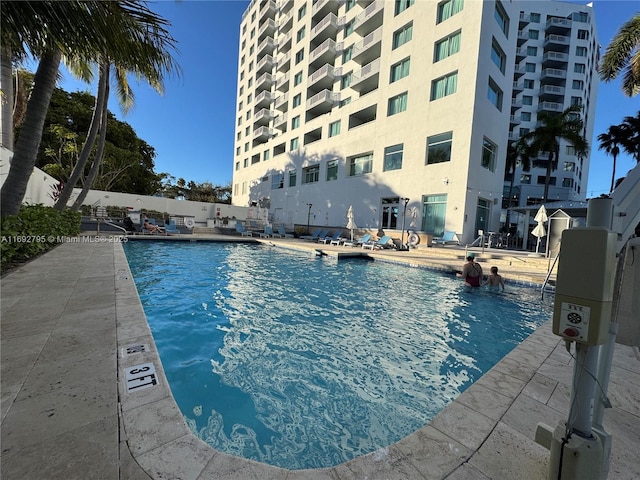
point(546, 280)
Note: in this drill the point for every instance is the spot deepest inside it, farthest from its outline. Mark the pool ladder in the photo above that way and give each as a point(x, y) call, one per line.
point(546, 285)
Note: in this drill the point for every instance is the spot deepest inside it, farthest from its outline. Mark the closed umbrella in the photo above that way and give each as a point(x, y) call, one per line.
point(539, 230)
point(414, 217)
point(351, 223)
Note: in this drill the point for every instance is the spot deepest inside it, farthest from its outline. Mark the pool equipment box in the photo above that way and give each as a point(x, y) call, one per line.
point(584, 286)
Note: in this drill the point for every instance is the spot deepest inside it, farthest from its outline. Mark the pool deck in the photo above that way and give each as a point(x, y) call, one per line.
point(75, 405)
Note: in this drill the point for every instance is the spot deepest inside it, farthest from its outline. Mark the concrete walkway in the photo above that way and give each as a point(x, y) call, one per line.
point(84, 395)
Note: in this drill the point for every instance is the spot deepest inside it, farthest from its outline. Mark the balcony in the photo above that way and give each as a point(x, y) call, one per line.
point(554, 59)
point(262, 134)
point(518, 71)
point(522, 37)
point(553, 76)
point(267, 46)
point(326, 28)
point(323, 7)
point(282, 83)
point(324, 53)
point(521, 54)
point(263, 100)
point(518, 87)
point(552, 93)
point(515, 104)
point(284, 62)
point(285, 5)
point(268, 10)
point(264, 65)
point(550, 107)
point(558, 25)
point(280, 122)
point(368, 49)
point(264, 81)
point(322, 102)
point(267, 29)
point(524, 20)
point(367, 79)
point(284, 42)
point(282, 102)
point(263, 117)
point(371, 19)
point(558, 43)
point(514, 120)
point(286, 22)
point(322, 78)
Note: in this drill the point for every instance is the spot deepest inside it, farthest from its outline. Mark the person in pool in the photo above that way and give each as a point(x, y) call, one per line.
point(471, 271)
point(494, 280)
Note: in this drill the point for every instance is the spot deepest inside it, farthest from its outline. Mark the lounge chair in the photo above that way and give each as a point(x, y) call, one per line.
point(171, 227)
point(448, 238)
point(282, 232)
point(241, 230)
point(315, 235)
point(330, 239)
point(360, 241)
point(383, 242)
point(268, 232)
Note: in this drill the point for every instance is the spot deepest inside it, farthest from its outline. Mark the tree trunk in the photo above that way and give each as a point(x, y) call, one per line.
point(547, 178)
point(78, 170)
point(101, 142)
point(508, 219)
point(26, 148)
point(6, 83)
point(613, 174)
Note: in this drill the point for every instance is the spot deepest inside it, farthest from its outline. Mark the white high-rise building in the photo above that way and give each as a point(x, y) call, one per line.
point(367, 103)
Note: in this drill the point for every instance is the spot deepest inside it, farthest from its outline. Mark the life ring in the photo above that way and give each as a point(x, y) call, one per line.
point(189, 223)
point(413, 239)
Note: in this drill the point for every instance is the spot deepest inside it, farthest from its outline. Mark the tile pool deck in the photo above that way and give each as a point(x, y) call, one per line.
point(72, 325)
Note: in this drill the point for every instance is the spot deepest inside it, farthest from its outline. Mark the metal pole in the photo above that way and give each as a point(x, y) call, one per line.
point(404, 216)
point(309, 216)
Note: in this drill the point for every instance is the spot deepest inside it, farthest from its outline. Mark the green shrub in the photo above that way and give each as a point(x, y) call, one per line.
point(35, 230)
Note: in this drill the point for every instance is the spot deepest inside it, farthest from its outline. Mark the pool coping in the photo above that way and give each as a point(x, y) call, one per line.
point(160, 440)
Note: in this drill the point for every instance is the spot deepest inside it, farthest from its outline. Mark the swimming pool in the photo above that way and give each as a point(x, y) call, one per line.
point(307, 362)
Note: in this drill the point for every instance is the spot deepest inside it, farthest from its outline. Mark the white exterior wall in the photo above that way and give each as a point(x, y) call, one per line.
point(39, 187)
point(467, 113)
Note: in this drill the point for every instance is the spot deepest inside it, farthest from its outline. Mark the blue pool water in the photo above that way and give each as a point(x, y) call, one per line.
point(306, 362)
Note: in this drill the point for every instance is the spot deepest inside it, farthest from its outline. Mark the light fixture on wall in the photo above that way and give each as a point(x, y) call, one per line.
point(445, 180)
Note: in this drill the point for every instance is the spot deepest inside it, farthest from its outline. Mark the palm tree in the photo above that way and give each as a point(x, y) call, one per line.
point(546, 137)
point(517, 153)
point(623, 54)
point(610, 142)
point(630, 139)
point(78, 29)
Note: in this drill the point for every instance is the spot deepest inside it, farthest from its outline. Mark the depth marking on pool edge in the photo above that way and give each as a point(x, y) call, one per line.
point(135, 348)
point(140, 377)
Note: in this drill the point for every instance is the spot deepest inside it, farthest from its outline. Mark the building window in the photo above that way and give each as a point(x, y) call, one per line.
point(293, 177)
point(360, 165)
point(583, 35)
point(302, 11)
point(534, 34)
point(246, 147)
point(402, 5)
point(295, 144)
point(502, 18)
point(237, 166)
point(494, 94)
point(579, 68)
point(255, 159)
point(434, 209)
point(402, 36)
point(346, 54)
point(344, 102)
point(297, 79)
point(581, 51)
point(393, 158)
point(523, 131)
point(334, 128)
point(238, 151)
point(244, 188)
point(447, 47)
point(530, 67)
point(581, 17)
point(397, 104)
point(567, 182)
point(541, 179)
point(569, 167)
point(399, 70)
point(297, 100)
point(535, 17)
point(300, 34)
point(348, 28)
point(489, 155)
point(311, 174)
point(439, 148)
point(525, 179)
point(345, 81)
point(527, 100)
point(576, 101)
point(332, 170)
point(448, 8)
point(498, 56)
point(528, 83)
point(266, 155)
point(277, 181)
point(250, 66)
point(295, 122)
point(245, 163)
point(532, 51)
point(577, 85)
point(350, 4)
point(299, 56)
point(444, 86)
point(248, 115)
point(525, 116)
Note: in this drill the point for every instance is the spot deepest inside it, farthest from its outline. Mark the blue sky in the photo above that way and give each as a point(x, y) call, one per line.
point(192, 125)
